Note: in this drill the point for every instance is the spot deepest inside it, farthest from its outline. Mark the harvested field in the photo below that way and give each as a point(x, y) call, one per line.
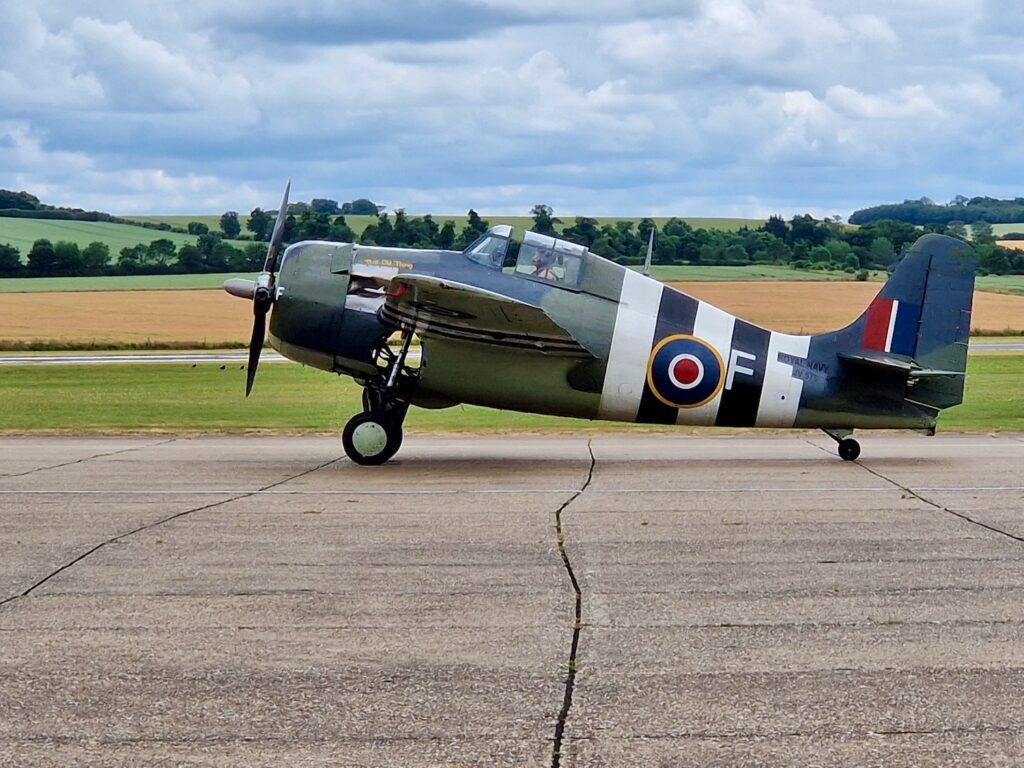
point(211, 316)
point(1017, 245)
point(120, 317)
point(816, 307)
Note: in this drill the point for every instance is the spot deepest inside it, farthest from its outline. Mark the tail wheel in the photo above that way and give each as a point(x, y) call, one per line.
point(371, 438)
point(849, 449)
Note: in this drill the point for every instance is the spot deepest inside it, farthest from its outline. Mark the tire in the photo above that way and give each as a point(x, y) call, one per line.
point(371, 439)
point(849, 449)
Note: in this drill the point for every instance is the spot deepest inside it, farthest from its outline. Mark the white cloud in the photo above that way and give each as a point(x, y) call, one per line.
point(591, 105)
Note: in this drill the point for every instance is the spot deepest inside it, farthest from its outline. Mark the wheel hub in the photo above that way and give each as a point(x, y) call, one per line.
point(370, 438)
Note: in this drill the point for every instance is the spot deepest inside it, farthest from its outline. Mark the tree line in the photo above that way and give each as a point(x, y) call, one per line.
point(801, 242)
point(960, 210)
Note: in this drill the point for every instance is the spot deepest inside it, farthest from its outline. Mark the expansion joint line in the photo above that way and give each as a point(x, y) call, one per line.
point(158, 523)
point(570, 676)
point(90, 458)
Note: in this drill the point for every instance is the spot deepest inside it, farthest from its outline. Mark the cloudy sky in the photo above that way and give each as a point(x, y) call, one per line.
point(596, 107)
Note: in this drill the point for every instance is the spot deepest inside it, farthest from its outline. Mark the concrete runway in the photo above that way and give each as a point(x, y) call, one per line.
point(742, 601)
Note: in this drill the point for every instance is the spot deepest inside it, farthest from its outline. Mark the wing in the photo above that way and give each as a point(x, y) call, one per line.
point(440, 308)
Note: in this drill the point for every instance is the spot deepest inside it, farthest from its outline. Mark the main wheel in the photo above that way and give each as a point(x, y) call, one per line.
point(371, 438)
point(849, 449)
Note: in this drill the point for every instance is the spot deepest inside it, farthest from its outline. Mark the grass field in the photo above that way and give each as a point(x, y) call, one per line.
point(178, 398)
point(1001, 283)
point(118, 283)
point(1004, 229)
point(22, 233)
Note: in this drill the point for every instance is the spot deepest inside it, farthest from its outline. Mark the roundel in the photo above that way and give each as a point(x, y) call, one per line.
point(684, 372)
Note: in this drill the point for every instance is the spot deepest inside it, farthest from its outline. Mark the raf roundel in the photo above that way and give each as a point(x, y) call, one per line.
point(685, 372)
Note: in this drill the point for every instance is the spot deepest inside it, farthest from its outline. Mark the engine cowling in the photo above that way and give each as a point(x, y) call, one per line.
point(318, 319)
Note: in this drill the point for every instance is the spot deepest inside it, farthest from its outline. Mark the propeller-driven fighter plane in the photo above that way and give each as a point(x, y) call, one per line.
point(568, 333)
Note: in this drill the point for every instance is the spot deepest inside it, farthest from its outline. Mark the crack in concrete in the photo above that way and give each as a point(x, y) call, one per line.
point(941, 508)
point(935, 505)
point(149, 526)
point(570, 677)
point(88, 458)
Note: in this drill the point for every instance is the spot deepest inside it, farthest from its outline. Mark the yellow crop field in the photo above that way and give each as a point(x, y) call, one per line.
point(212, 317)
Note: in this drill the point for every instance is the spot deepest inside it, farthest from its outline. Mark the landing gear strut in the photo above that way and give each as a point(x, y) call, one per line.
point(375, 435)
point(849, 449)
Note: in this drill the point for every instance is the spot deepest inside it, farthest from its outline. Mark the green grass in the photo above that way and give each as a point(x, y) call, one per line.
point(1004, 229)
point(118, 283)
point(22, 233)
point(1001, 283)
point(178, 398)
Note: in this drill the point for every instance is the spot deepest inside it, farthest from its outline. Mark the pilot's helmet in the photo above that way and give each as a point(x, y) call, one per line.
point(543, 256)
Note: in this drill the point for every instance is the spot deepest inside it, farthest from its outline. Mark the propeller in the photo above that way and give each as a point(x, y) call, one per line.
point(263, 292)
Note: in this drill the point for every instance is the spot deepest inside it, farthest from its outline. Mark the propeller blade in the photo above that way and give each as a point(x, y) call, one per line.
point(262, 291)
point(259, 330)
point(270, 265)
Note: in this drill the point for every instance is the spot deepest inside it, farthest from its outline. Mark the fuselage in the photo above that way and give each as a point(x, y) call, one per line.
point(641, 351)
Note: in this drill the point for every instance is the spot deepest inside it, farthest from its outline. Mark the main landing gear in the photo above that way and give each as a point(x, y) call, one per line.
point(375, 435)
point(849, 449)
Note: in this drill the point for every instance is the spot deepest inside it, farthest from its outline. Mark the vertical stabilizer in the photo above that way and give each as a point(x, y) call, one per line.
point(919, 322)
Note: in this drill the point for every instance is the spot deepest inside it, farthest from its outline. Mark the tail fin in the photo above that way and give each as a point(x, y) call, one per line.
point(920, 321)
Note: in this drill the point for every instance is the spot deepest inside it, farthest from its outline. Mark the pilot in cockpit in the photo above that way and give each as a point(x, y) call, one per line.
point(543, 259)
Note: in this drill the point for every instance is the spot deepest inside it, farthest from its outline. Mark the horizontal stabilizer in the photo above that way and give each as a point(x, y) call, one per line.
point(894, 364)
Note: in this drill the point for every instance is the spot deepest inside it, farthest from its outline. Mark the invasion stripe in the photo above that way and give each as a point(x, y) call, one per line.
point(635, 323)
point(714, 326)
point(745, 367)
point(676, 315)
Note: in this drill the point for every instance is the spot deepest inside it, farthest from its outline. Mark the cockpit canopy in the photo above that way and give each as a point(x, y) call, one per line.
point(546, 258)
point(490, 248)
point(541, 257)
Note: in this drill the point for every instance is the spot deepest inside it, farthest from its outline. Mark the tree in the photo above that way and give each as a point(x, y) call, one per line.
point(341, 232)
point(776, 225)
point(981, 233)
point(190, 260)
point(360, 207)
point(197, 228)
point(259, 223)
point(475, 226)
point(881, 253)
point(446, 237)
point(584, 231)
point(229, 225)
point(95, 258)
point(160, 253)
point(542, 219)
point(957, 229)
point(323, 205)
point(42, 261)
point(132, 260)
point(10, 261)
point(19, 200)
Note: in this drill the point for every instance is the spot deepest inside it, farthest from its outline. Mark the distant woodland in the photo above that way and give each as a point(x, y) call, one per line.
point(801, 242)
